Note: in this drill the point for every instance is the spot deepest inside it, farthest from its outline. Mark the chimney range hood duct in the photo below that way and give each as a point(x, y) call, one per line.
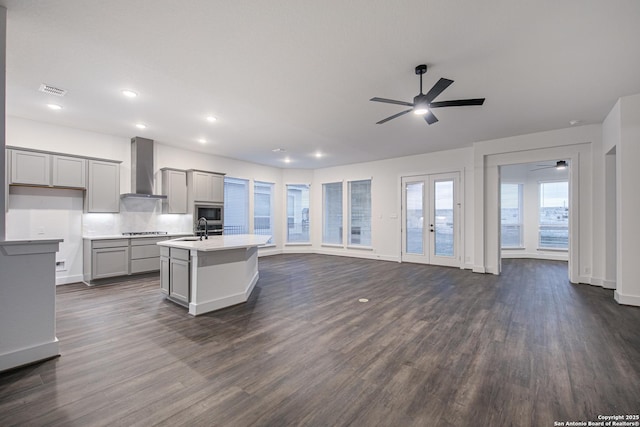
point(142, 170)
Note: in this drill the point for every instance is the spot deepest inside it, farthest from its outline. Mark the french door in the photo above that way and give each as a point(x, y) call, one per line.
point(430, 219)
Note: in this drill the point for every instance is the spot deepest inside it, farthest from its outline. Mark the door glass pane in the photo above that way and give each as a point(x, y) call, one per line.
point(443, 225)
point(415, 218)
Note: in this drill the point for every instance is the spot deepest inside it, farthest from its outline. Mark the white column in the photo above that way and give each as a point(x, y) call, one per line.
point(3, 68)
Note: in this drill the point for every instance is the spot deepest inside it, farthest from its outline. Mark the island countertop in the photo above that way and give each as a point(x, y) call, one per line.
point(217, 243)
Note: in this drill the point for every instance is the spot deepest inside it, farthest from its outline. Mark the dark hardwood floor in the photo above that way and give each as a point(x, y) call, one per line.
point(434, 346)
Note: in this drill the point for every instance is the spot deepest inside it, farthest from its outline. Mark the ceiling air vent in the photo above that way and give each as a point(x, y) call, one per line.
point(51, 90)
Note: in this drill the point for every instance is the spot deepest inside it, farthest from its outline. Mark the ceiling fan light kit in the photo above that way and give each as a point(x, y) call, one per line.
point(423, 103)
point(560, 165)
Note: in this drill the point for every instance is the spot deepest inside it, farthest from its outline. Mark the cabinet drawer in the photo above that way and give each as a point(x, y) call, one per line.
point(182, 254)
point(109, 243)
point(147, 240)
point(146, 251)
point(146, 264)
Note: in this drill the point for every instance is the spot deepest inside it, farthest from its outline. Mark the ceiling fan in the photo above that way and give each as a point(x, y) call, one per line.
point(423, 103)
point(560, 165)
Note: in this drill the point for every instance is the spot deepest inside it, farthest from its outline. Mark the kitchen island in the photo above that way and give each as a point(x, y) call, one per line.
point(209, 274)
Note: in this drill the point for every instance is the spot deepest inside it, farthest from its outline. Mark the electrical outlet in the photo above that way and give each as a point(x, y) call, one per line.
point(60, 266)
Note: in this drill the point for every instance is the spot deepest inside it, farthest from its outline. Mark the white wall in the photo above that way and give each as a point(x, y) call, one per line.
point(530, 180)
point(628, 202)
point(386, 198)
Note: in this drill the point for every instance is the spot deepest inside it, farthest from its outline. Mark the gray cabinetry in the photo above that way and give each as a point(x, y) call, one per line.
point(47, 169)
point(174, 186)
point(205, 187)
point(109, 258)
point(30, 168)
point(145, 254)
point(68, 171)
point(164, 270)
point(103, 187)
point(175, 274)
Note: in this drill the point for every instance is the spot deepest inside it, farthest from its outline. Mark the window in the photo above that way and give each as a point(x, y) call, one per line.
point(360, 212)
point(263, 209)
point(236, 206)
point(332, 213)
point(298, 213)
point(553, 225)
point(511, 215)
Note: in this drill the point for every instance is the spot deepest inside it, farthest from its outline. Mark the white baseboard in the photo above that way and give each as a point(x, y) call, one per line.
point(479, 269)
point(65, 280)
point(596, 281)
point(609, 284)
point(561, 256)
point(29, 355)
point(626, 299)
point(585, 279)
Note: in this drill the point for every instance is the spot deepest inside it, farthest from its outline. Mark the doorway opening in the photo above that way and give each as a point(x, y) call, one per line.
point(535, 210)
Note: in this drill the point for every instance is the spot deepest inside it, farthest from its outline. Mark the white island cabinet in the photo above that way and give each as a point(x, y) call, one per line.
point(207, 275)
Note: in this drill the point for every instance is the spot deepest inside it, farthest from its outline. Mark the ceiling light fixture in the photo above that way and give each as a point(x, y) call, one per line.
point(278, 150)
point(129, 93)
point(318, 154)
point(287, 160)
point(575, 122)
point(211, 119)
point(55, 106)
point(561, 165)
point(420, 109)
point(202, 141)
point(141, 126)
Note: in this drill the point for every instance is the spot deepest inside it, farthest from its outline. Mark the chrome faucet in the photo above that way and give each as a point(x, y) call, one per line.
point(206, 231)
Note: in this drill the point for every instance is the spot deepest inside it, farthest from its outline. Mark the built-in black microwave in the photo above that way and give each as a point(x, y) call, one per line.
point(213, 213)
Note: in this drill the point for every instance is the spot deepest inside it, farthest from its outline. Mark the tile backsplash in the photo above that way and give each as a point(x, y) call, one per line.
point(136, 215)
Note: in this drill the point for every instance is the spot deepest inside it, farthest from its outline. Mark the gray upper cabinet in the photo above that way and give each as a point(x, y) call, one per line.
point(47, 169)
point(103, 187)
point(68, 171)
point(205, 186)
point(174, 186)
point(30, 168)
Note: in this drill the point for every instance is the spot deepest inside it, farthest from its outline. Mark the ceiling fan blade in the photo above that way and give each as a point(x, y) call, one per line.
point(430, 118)
point(393, 117)
point(437, 89)
point(457, 103)
point(391, 101)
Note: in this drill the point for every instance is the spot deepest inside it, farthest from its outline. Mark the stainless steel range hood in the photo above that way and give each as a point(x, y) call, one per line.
point(142, 170)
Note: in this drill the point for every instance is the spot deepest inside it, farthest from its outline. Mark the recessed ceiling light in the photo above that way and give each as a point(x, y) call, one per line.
point(318, 154)
point(278, 150)
point(202, 141)
point(575, 122)
point(129, 93)
point(287, 160)
point(141, 126)
point(55, 106)
point(363, 300)
point(211, 119)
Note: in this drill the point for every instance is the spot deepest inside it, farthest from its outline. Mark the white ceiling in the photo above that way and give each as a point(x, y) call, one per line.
point(298, 74)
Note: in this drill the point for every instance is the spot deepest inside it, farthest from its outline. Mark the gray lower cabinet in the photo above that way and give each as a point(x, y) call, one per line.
point(145, 254)
point(164, 270)
point(175, 274)
point(109, 258)
point(105, 258)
